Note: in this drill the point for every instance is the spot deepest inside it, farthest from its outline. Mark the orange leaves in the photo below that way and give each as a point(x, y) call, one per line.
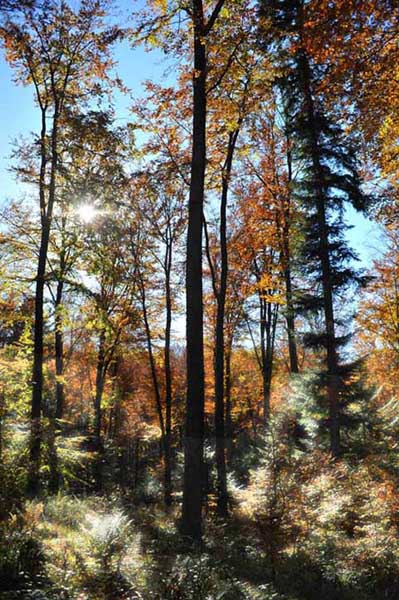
point(378, 320)
point(64, 53)
point(356, 42)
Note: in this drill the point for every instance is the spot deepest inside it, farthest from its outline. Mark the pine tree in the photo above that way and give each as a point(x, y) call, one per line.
point(328, 178)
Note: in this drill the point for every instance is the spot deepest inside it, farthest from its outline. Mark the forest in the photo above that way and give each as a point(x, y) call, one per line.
point(199, 300)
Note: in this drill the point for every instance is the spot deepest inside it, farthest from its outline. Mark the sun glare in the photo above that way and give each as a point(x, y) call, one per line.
point(86, 213)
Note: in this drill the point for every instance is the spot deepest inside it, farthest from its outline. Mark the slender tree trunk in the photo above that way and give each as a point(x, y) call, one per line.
point(115, 410)
point(290, 319)
point(37, 378)
point(268, 324)
point(332, 357)
point(54, 480)
point(59, 352)
point(54, 475)
point(286, 256)
point(46, 212)
point(98, 412)
point(222, 500)
point(154, 376)
point(168, 375)
point(193, 479)
point(229, 422)
point(266, 366)
point(191, 524)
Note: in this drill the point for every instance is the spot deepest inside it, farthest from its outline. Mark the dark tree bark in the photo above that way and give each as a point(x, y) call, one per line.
point(332, 356)
point(98, 412)
point(228, 416)
point(290, 319)
point(168, 372)
point(268, 314)
point(268, 324)
point(46, 212)
point(57, 413)
point(191, 524)
point(136, 473)
point(100, 380)
point(115, 410)
point(194, 428)
point(54, 475)
point(165, 449)
point(222, 498)
point(105, 356)
point(286, 263)
point(59, 352)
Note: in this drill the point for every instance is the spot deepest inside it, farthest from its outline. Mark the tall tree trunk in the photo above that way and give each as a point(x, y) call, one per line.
point(228, 417)
point(115, 410)
point(46, 213)
point(54, 480)
point(194, 429)
point(193, 479)
point(136, 472)
point(222, 499)
point(37, 377)
point(286, 256)
point(98, 412)
point(158, 403)
point(266, 366)
point(318, 176)
point(59, 352)
point(290, 319)
point(168, 375)
point(268, 324)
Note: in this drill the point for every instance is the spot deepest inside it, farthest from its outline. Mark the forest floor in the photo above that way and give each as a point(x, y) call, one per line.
point(92, 548)
point(95, 548)
point(301, 527)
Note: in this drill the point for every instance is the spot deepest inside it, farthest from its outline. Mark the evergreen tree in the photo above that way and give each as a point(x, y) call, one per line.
point(328, 178)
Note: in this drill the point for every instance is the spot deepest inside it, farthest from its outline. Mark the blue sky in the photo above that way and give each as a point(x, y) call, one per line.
point(19, 116)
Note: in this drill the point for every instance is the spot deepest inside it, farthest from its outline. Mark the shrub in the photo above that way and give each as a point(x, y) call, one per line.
point(21, 556)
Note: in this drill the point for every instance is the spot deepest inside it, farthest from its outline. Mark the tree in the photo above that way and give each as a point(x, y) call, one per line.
point(202, 26)
point(16, 5)
point(159, 195)
point(378, 320)
point(54, 49)
point(234, 93)
point(112, 309)
point(360, 68)
point(260, 258)
point(329, 176)
point(91, 153)
point(274, 171)
point(17, 249)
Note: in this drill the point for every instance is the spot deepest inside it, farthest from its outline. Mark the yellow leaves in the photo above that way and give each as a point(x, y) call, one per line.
point(153, 40)
point(273, 298)
point(389, 139)
point(270, 286)
point(244, 151)
point(224, 13)
point(162, 5)
point(386, 126)
point(266, 281)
